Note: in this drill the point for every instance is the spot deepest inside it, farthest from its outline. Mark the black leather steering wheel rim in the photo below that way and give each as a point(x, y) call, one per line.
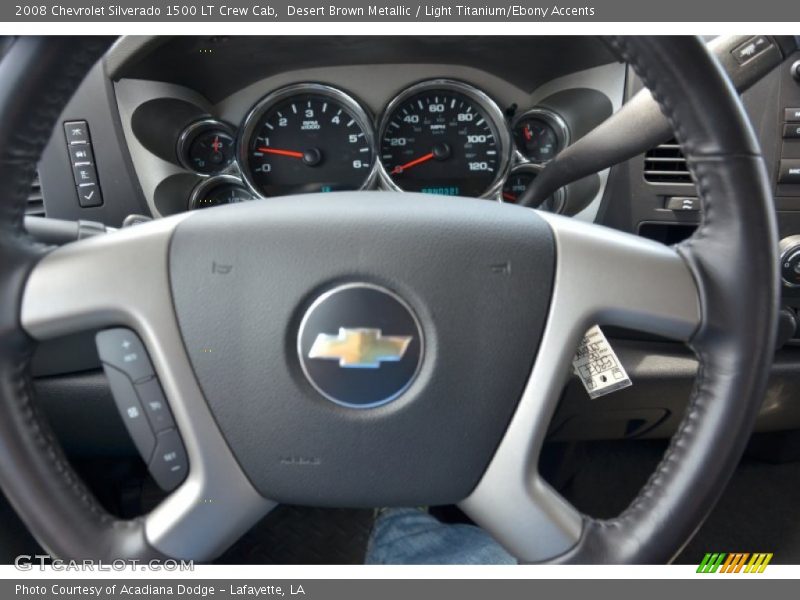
point(732, 257)
point(739, 291)
point(40, 75)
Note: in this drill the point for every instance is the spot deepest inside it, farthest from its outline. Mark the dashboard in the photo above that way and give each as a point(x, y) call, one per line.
point(440, 128)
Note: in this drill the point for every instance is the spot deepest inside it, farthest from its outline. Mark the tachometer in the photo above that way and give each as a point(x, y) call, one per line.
point(307, 138)
point(444, 137)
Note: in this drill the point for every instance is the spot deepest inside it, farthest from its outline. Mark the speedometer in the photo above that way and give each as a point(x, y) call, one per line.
point(444, 137)
point(307, 138)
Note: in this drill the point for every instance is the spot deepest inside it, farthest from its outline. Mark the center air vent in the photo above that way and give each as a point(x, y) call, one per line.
point(666, 164)
point(35, 206)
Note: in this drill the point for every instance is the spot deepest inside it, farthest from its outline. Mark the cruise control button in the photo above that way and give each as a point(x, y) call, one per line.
point(121, 348)
point(131, 411)
point(169, 464)
point(77, 132)
point(155, 405)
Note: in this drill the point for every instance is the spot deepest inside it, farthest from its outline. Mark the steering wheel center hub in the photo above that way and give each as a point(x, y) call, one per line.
point(360, 345)
point(329, 357)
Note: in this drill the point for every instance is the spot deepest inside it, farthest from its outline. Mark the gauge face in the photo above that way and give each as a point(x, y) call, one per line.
point(536, 139)
point(308, 138)
point(206, 147)
point(520, 179)
point(211, 151)
point(217, 193)
point(444, 138)
point(515, 185)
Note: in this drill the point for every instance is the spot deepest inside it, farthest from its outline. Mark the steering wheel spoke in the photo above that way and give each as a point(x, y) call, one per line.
point(602, 277)
point(121, 279)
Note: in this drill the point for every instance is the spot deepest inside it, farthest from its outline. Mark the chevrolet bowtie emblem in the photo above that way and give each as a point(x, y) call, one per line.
point(360, 348)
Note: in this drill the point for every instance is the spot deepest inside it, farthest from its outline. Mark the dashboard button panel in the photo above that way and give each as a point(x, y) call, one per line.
point(79, 145)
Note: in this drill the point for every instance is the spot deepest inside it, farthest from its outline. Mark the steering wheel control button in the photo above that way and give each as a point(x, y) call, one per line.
point(360, 345)
point(133, 415)
point(155, 405)
point(122, 348)
point(169, 464)
point(789, 172)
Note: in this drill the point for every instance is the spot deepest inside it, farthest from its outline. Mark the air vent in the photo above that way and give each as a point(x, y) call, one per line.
point(666, 164)
point(35, 207)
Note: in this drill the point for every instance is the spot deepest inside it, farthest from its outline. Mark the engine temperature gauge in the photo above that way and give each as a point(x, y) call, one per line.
point(518, 181)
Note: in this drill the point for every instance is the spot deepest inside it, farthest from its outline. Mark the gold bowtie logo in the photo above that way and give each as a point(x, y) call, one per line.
point(360, 348)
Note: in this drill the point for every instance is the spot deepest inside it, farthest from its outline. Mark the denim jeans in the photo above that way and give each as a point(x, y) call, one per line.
point(409, 536)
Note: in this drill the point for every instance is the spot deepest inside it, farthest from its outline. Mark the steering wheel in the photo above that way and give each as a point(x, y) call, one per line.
point(463, 315)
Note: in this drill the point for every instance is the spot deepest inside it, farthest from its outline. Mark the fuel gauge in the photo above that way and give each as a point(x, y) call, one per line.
point(540, 134)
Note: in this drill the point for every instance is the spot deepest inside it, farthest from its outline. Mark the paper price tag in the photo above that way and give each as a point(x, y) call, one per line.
point(598, 366)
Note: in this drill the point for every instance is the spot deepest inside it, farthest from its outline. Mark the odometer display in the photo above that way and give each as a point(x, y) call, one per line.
point(307, 138)
point(444, 137)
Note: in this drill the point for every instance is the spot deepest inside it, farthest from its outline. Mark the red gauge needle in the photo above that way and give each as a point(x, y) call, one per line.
point(290, 153)
point(399, 169)
point(509, 197)
point(528, 133)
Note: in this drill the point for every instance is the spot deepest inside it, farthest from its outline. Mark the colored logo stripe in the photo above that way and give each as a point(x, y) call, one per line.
point(711, 562)
point(735, 562)
point(758, 563)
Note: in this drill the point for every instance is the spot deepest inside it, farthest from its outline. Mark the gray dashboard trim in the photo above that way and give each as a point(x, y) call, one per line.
point(372, 85)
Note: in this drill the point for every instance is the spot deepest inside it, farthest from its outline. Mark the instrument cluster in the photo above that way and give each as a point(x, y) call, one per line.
point(439, 136)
